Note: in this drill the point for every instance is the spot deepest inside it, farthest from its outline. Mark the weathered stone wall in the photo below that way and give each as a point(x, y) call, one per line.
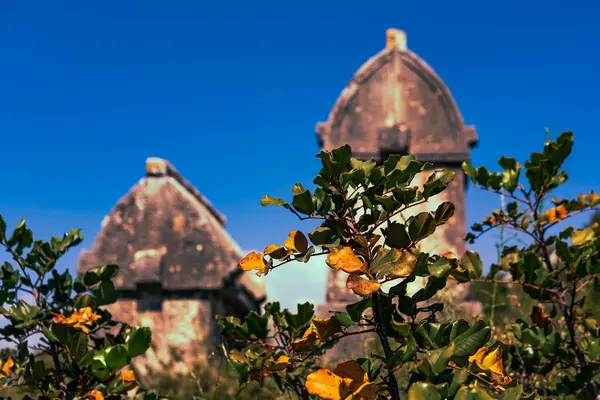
point(181, 327)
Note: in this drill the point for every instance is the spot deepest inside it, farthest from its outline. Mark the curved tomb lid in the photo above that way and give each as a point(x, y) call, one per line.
point(396, 103)
point(164, 230)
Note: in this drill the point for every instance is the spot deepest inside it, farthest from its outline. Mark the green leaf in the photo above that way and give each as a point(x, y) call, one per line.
point(271, 201)
point(92, 277)
point(303, 202)
point(472, 263)
point(108, 272)
point(458, 378)
point(99, 368)
point(423, 391)
point(85, 301)
point(475, 393)
point(440, 268)
point(469, 170)
point(405, 195)
point(388, 202)
point(512, 393)
point(78, 345)
point(344, 319)
point(396, 236)
point(437, 183)
point(106, 293)
point(117, 357)
point(298, 188)
point(444, 212)
point(471, 340)
point(257, 325)
point(439, 358)
point(356, 310)
point(421, 226)
point(139, 342)
point(321, 236)
point(49, 335)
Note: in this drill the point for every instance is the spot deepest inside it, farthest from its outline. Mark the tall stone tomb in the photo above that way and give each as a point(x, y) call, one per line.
point(396, 104)
point(178, 268)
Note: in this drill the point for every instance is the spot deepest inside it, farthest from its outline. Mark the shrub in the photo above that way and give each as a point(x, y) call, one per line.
point(358, 204)
point(65, 345)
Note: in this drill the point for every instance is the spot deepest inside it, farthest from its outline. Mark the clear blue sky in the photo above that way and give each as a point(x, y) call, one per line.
point(230, 93)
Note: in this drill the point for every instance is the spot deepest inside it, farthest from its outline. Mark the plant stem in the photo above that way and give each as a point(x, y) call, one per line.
point(392, 383)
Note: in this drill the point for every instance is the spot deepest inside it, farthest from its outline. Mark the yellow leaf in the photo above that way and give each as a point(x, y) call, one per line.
point(326, 385)
point(127, 376)
point(550, 215)
point(583, 236)
point(326, 327)
point(296, 241)
point(96, 395)
point(344, 259)
point(307, 340)
point(491, 363)
point(277, 252)
point(252, 261)
point(360, 286)
point(282, 363)
point(406, 263)
point(8, 366)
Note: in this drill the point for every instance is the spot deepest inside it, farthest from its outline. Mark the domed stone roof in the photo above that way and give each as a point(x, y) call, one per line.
point(165, 231)
point(396, 103)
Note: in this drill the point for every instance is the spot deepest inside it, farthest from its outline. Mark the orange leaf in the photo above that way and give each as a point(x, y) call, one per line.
point(561, 212)
point(8, 365)
point(344, 259)
point(96, 395)
point(360, 286)
point(127, 376)
point(297, 242)
point(277, 252)
point(252, 261)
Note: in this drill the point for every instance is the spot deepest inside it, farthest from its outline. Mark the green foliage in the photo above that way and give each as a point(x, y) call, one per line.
point(359, 205)
point(78, 355)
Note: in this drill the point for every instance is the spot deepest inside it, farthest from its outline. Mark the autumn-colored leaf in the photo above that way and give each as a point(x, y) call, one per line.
point(344, 259)
point(127, 376)
point(491, 363)
point(550, 215)
point(449, 255)
point(277, 252)
point(326, 385)
point(347, 381)
point(561, 212)
point(8, 365)
point(361, 286)
point(80, 319)
point(326, 327)
point(297, 242)
point(253, 261)
point(539, 317)
point(307, 340)
point(96, 395)
point(283, 362)
point(582, 236)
